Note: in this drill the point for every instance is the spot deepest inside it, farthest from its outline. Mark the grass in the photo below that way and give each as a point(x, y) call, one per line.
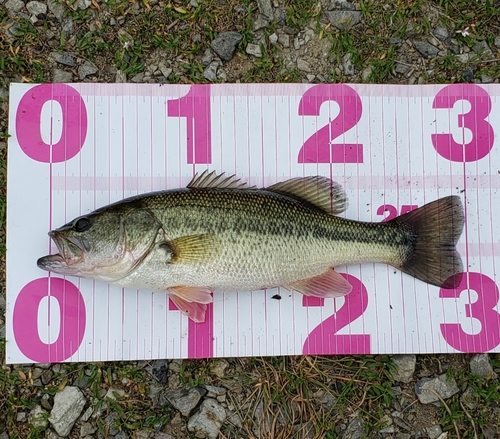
point(294, 395)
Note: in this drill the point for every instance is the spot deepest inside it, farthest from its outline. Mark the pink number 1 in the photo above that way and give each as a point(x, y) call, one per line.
point(319, 147)
point(195, 107)
point(200, 335)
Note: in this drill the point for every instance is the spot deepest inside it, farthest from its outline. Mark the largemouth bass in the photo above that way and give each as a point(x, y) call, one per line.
point(218, 234)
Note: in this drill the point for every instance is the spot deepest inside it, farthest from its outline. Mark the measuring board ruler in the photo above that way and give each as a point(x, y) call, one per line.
point(74, 148)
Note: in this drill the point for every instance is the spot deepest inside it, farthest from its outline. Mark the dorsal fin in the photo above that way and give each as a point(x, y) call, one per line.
point(319, 191)
point(217, 181)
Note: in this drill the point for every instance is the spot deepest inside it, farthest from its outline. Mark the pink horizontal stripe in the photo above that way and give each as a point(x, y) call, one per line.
point(364, 90)
point(358, 182)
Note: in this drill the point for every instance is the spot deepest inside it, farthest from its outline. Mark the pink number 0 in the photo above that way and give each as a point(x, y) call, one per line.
point(195, 107)
point(74, 124)
point(319, 148)
point(483, 310)
point(324, 338)
point(482, 132)
point(72, 320)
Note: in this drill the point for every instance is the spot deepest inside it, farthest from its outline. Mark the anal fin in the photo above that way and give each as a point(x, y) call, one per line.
point(192, 294)
point(328, 284)
point(195, 311)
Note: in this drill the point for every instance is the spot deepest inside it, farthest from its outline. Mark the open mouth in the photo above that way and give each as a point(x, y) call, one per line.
point(70, 253)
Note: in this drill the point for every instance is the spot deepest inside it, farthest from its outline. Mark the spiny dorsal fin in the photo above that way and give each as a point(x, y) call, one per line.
point(217, 181)
point(319, 191)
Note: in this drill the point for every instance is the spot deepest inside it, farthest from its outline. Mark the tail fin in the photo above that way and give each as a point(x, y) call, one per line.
point(434, 230)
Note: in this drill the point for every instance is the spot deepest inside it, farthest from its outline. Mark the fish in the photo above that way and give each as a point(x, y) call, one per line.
point(220, 234)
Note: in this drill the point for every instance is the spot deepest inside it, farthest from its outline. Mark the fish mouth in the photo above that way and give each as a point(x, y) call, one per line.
point(71, 252)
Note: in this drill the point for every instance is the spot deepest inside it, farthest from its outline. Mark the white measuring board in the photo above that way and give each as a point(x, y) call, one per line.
point(74, 148)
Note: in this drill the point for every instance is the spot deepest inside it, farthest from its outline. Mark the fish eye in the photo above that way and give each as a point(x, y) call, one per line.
point(82, 224)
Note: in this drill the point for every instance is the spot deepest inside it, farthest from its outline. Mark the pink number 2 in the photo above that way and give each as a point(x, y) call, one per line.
point(482, 132)
point(195, 107)
point(483, 310)
point(324, 338)
point(319, 147)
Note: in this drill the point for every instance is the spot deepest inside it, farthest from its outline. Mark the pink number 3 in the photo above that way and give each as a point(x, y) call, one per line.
point(324, 338)
point(474, 120)
point(483, 310)
point(319, 147)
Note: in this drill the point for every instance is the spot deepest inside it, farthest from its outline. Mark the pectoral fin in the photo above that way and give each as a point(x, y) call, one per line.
point(195, 311)
point(329, 284)
point(189, 249)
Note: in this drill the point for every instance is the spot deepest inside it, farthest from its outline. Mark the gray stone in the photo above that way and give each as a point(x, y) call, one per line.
point(110, 422)
point(303, 66)
point(405, 367)
point(138, 78)
point(57, 8)
point(46, 376)
point(347, 64)
point(260, 22)
point(208, 419)
point(214, 392)
point(465, 57)
point(487, 79)
point(402, 69)
point(68, 405)
point(273, 38)
point(497, 41)
point(186, 399)
point(86, 69)
point(469, 399)
point(36, 8)
point(225, 44)
point(310, 77)
point(87, 414)
point(254, 50)
point(426, 49)
point(207, 58)
point(165, 71)
point(427, 388)
point(263, 424)
point(160, 435)
point(265, 8)
point(434, 432)
point(21, 416)
point(284, 39)
point(82, 4)
point(341, 4)
point(38, 417)
point(219, 368)
point(68, 26)
point(4, 435)
point(355, 429)
point(45, 402)
point(441, 32)
point(114, 394)
point(64, 58)
point(482, 48)
point(480, 366)
point(343, 20)
point(62, 76)
point(14, 5)
point(366, 73)
point(326, 399)
point(87, 429)
point(210, 72)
